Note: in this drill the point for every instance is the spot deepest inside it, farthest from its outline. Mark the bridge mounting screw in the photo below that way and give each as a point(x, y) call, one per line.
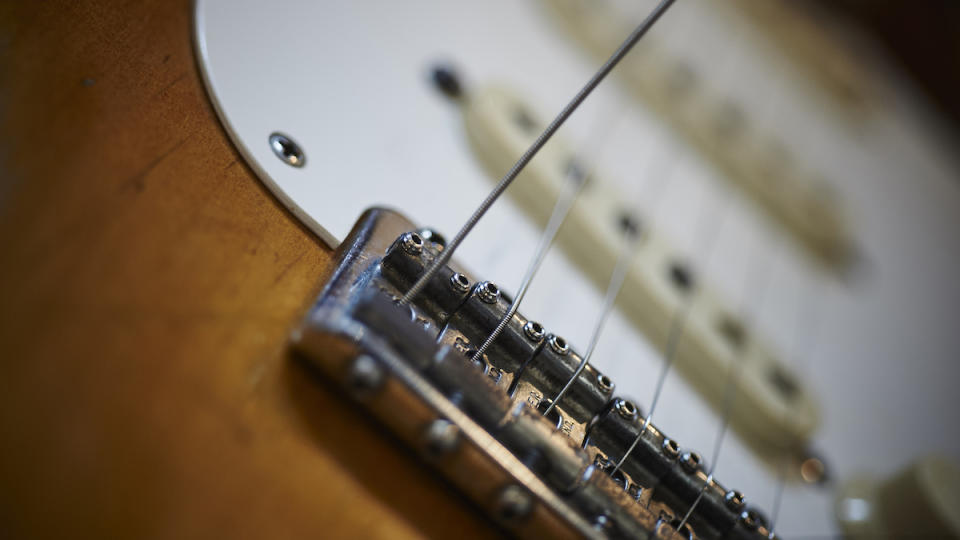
point(488, 292)
point(366, 374)
point(670, 448)
point(734, 500)
point(412, 243)
point(442, 437)
point(459, 282)
point(513, 503)
point(690, 461)
point(533, 330)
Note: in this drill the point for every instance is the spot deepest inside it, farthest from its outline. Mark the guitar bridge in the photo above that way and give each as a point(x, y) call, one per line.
point(480, 421)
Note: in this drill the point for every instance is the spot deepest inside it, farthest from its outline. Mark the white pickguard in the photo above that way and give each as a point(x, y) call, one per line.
point(349, 81)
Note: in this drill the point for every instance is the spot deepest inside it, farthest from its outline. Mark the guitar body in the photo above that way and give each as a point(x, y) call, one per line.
point(148, 285)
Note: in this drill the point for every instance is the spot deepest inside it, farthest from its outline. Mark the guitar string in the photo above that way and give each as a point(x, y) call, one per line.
point(803, 341)
point(630, 240)
point(755, 288)
point(707, 232)
point(576, 180)
point(444, 257)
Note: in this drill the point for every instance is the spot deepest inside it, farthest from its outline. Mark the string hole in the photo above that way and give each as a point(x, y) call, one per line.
point(554, 417)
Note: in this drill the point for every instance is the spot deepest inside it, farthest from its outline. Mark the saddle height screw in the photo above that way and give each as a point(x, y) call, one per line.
point(534, 331)
point(459, 282)
point(670, 448)
point(734, 500)
point(412, 243)
point(488, 292)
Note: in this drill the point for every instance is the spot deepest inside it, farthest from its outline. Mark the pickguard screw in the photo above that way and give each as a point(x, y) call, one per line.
point(690, 461)
point(459, 282)
point(533, 330)
point(670, 448)
point(626, 409)
point(513, 504)
point(488, 292)
point(734, 500)
point(442, 437)
point(365, 374)
point(412, 243)
point(287, 150)
point(558, 344)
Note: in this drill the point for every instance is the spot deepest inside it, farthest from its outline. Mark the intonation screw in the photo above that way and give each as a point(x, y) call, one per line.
point(459, 282)
point(734, 500)
point(412, 243)
point(534, 331)
point(670, 448)
point(513, 504)
point(488, 292)
point(365, 374)
point(690, 461)
point(442, 437)
point(558, 344)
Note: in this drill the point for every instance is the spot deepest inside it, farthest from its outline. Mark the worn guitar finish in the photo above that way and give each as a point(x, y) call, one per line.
point(148, 286)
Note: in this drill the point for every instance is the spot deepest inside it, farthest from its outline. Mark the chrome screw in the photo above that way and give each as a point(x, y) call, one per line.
point(605, 383)
point(459, 282)
point(734, 500)
point(287, 150)
point(513, 504)
point(365, 374)
point(690, 461)
point(488, 292)
point(558, 344)
point(442, 437)
point(533, 330)
point(412, 243)
point(749, 519)
point(626, 409)
point(670, 448)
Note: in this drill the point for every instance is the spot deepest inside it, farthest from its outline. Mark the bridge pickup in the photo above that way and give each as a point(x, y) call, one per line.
point(479, 421)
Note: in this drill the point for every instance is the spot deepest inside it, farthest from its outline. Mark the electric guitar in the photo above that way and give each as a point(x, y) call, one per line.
point(200, 320)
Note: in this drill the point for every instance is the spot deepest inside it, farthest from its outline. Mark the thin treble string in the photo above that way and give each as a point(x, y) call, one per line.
point(803, 342)
point(756, 286)
point(627, 250)
point(541, 140)
point(568, 195)
point(707, 232)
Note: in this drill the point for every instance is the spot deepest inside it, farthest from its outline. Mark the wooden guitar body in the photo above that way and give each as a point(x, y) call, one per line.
point(148, 285)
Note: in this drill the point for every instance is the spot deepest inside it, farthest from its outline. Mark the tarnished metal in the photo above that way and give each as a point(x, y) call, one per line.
point(415, 367)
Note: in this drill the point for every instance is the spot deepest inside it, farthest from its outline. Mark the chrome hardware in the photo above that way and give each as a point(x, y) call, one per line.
point(558, 344)
point(459, 282)
point(412, 243)
point(438, 399)
point(488, 292)
point(734, 500)
point(287, 150)
point(626, 409)
point(690, 461)
point(533, 330)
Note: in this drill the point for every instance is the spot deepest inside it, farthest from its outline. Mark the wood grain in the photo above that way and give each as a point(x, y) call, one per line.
point(147, 286)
